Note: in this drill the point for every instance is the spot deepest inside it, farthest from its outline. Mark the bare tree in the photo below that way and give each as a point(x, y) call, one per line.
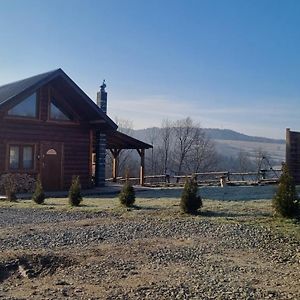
point(166, 135)
point(153, 139)
point(202, 156)
point(124, 125)
point(186, 133)
point(245, 163)
point(262, 159)
point(263, 162)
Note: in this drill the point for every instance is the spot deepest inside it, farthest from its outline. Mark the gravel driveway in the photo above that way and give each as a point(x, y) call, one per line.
point(142, 254)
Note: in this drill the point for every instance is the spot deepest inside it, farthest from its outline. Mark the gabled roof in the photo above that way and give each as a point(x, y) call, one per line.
point(87, 107)
point(11, 90)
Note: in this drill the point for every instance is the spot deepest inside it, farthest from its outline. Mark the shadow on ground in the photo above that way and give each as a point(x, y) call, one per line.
point(227, 214)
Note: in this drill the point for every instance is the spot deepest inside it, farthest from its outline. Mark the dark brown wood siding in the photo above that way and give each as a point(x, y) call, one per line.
point(293, 154)
point(74, 136)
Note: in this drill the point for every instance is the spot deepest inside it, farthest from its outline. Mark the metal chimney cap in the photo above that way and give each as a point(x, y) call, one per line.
point(103, 86)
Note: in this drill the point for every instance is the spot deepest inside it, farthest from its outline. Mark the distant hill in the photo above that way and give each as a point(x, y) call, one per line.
point(215, 134)
point(227, 134)
point(229, 143)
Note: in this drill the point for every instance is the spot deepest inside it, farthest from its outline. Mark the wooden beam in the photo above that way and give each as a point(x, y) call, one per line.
point(114, 169)
point(142, 167)
point(91, 155)
point(115, 153)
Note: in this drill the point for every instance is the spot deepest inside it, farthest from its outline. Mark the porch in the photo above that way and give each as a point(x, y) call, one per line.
point(115, 142)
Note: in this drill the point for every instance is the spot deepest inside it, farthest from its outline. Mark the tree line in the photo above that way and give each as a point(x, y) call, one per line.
point(181, 147)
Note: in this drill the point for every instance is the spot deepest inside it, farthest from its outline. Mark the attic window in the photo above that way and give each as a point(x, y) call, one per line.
point(26, 108)
point(57, 113)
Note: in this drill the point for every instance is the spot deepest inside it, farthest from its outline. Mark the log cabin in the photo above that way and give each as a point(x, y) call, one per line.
point(49, 126)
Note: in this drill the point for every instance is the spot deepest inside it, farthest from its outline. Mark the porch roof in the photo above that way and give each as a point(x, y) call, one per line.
point(119, 140)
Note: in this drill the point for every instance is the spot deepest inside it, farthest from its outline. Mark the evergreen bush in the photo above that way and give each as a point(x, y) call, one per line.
point(190, 200)
point(75, 192)
point(10, 187)
point(286, 202)
point(127, 195)
point(38, 196)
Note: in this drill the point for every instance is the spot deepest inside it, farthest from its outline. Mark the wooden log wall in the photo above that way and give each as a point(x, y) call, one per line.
point(75, 137)
point(293, 154)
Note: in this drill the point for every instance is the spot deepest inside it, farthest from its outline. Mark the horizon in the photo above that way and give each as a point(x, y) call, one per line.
point(210, 128)
point(228, 65)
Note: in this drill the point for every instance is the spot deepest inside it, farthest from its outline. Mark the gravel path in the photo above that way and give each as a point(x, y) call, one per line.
point(14, 217)
point(143, 256)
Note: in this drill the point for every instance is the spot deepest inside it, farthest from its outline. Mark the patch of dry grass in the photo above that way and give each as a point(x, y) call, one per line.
point(255, 212)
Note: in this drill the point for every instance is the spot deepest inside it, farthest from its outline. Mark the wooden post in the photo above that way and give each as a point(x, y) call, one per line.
point(115, 153)
point(114, 169)
point(142, 167)
point(91, 157)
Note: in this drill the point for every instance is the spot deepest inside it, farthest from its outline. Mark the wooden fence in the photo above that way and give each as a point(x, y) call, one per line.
point(268, 176)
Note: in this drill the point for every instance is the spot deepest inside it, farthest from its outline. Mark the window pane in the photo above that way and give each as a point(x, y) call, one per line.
point(27, 157)
point(14, 157)
point(27, 108)
point(57, 114)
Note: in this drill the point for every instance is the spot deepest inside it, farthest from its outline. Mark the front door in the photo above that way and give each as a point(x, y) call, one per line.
point(51, 165)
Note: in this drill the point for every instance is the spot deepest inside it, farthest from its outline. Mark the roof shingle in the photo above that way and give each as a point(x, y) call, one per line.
point(12, 89)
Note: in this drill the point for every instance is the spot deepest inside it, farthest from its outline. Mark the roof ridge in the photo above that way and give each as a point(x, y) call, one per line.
point(27, 78)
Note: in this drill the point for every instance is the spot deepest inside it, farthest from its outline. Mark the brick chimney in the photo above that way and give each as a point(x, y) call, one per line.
point(101, 140)
point(102, 97)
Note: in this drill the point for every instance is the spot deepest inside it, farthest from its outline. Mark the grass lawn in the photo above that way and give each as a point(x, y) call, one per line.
point(253, 212)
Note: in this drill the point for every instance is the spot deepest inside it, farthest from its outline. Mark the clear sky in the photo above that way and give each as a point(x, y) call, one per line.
point(227, 64)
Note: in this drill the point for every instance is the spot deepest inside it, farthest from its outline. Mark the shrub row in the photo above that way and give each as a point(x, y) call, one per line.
point(10, 184)
point(285, 202)
point(190, 200)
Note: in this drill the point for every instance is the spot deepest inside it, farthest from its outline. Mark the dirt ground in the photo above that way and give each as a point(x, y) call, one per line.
point(231, 250)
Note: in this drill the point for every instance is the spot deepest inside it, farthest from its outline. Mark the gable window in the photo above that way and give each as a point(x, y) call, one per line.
point(57, 113)
point(26, 108)
point(21, 157)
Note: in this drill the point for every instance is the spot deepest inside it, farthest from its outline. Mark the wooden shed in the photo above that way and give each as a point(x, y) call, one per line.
point(49, 126)
point(292, 154)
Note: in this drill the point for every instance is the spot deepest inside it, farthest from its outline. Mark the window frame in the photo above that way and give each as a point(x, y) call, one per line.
point(20, 167)
point(53, 101)
point(37, 110)
point(61, 103)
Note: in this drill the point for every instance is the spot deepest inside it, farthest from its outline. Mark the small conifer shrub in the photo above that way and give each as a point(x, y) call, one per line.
point(9, 184)
point(127, 195)
point(190, 200)
point(38, 196)
point(75, 192)
point(286, 202)
point(10, 194)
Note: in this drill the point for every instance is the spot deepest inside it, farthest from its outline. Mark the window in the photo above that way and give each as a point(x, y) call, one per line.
point(14, 155)
point(57, 113)
point(21, 157)
point(27, 157)
point(27, 108)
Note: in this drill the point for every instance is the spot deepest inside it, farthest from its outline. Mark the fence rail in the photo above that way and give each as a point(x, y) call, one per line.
point(268, 176)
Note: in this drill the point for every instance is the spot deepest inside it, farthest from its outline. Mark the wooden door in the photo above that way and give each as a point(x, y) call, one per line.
point(51, 165)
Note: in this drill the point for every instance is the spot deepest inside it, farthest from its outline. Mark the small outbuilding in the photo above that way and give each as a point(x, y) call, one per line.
point(49, 126)
point(292, 154)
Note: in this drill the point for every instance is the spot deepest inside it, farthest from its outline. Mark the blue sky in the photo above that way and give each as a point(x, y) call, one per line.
point(227, 64)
